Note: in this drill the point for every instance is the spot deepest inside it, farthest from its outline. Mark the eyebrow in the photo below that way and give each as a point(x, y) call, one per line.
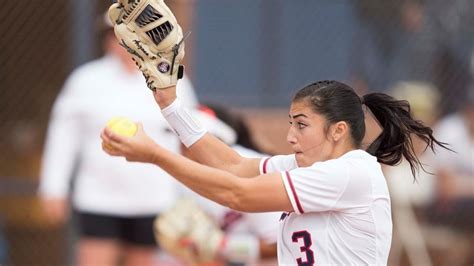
point(298, 115)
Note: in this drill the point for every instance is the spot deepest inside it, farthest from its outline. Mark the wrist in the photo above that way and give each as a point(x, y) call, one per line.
point(165, 97)
point(154, 157)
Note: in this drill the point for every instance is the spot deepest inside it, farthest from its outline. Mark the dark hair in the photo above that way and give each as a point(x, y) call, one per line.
point(337, 101)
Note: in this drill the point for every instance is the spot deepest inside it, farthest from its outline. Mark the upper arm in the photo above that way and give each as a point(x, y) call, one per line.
point(263, 193)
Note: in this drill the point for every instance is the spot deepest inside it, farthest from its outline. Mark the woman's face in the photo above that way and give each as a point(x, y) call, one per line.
point(307, 135)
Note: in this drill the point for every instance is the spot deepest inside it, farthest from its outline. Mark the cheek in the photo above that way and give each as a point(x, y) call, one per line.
point(312, 138)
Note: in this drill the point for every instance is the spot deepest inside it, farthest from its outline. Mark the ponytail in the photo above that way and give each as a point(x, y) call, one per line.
point(399, 126)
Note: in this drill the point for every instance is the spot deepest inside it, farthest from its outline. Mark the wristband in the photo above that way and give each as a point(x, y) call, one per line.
point(188, 129)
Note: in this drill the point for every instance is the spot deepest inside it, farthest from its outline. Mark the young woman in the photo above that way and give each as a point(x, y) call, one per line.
point(334, 198)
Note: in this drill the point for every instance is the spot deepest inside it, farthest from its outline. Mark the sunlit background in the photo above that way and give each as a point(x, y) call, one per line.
point(252, 55)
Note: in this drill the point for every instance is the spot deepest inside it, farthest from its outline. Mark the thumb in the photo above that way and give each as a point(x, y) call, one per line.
point(140, 130)
point(139, 126)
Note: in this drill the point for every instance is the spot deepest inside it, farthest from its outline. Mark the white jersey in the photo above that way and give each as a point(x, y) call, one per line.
point(93, 94)
point(341, 212)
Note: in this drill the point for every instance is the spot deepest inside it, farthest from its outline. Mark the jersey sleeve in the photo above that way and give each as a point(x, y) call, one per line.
point(326, 186)
point(277, 163)
point(62, 143)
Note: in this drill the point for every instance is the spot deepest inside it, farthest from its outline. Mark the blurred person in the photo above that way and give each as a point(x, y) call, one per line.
point(454, 201)
point(333, 195)
point(115, 201)
point(423, 98)
point(408, 197)
point(455, 171)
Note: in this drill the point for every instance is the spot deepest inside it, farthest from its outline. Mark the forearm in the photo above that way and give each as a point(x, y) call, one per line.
point(202, 147)
point(212, 152)
point(214, 184)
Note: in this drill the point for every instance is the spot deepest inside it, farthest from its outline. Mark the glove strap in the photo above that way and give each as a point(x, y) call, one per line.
point(176, 52)
point(188, 129)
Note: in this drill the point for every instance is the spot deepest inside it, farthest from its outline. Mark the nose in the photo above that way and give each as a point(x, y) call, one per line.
point(290, 137)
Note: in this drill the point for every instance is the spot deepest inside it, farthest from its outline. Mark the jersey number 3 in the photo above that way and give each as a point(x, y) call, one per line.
point(306, 248)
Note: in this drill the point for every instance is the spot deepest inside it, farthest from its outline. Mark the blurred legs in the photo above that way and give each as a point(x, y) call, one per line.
point(94, 251)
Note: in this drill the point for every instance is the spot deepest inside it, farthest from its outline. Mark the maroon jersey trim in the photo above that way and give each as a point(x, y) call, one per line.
point(298, 204)
point(264, 167)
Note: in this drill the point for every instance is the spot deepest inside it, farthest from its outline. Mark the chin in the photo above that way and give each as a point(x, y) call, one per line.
point(301, 160)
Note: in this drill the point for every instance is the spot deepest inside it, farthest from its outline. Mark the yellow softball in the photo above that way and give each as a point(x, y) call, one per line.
point(122, 126)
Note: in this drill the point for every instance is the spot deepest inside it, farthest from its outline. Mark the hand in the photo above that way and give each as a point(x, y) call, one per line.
point(56, 209)
point(139, 148)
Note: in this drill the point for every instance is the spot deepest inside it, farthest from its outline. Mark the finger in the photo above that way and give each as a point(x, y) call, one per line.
point(106, 141)
point(114, 13)
point(140, 130)
point(105, 147)
point(113, 137)
point(110, 150)
point(104, 136)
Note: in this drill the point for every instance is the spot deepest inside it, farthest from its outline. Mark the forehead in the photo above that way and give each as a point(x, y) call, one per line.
point(303, 111)
point(301, 107)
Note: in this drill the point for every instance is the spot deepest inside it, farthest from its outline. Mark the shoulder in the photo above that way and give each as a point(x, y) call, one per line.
point(278, 163)
point(354, 165)
point(449, 120)
point(449, 124)
point(86, 76)
point(351, 158)
point(81, 85)
point(92, 69)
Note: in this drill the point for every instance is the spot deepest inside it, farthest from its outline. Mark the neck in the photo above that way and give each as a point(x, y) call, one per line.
point(341, 149)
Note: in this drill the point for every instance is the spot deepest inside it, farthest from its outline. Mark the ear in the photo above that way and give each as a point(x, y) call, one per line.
point(339, 130)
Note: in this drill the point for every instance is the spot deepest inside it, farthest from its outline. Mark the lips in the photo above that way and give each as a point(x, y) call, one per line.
point(296, 150)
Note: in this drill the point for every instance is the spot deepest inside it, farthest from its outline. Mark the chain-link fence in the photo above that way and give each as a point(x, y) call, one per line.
point(244, 54)
point(41, 43)
point(35, 58)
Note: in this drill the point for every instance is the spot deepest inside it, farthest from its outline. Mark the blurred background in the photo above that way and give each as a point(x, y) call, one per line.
point(251, 56)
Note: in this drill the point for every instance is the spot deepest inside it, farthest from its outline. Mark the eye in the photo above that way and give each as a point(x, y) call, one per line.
point(301, 125)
